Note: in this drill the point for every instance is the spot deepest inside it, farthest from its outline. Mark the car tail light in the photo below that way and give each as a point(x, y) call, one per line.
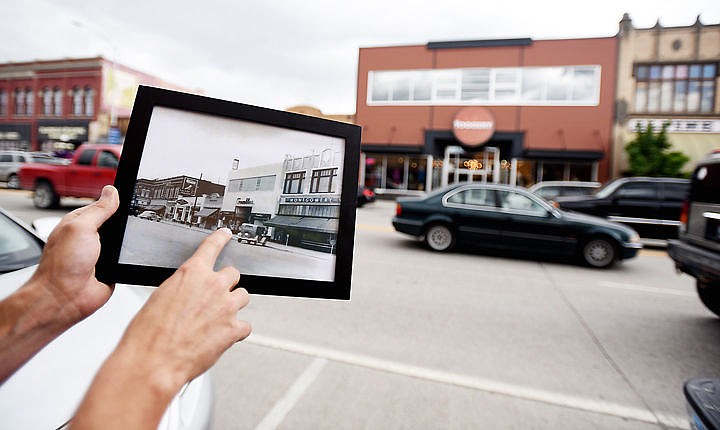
point(398, 210)
point(368, 193)
point(684, 213)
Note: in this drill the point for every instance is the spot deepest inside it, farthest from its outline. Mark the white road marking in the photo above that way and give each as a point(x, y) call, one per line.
point(487, 385)
point(645, 289)
point(277, 414)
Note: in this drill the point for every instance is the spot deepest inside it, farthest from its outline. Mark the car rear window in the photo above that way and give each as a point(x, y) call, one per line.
point(706, 184)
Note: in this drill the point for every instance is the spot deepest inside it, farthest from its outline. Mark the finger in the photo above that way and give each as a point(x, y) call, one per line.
point(240, 297)
point(230, 275)
point(211, 247)
point(98, 212)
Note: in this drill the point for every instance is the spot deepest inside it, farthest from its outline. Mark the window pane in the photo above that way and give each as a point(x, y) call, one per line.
point(641, 72)
point(583, 89)
point(86, 157)
point(654, 97)
point(680, 96)
point(668, 72)
point(401, 89)
point(695, 71)
point(641, 93)
point(655, 72)
point(681, 72)
point(693, 96)
point(666, 94)
point(708, 95)
point(380, 88)
point(708, 71)
point(533, 84)
point(422, 88)
point(475, 84)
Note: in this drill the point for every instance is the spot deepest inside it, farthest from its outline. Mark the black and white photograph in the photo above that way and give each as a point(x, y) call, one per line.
point(285, 184)
point(278, 190)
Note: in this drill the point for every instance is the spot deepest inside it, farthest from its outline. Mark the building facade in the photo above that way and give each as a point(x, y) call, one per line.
point(56, 105)
point(668, 75)
point(515, 111)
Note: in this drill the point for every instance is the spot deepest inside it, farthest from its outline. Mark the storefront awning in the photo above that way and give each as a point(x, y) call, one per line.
point(283, 221)
point(323, 225)
point(206, 212)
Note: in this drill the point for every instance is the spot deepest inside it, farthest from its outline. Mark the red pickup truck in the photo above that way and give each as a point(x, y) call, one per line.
point(93, 166)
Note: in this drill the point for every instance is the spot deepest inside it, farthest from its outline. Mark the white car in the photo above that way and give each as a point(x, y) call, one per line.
point(46, 391)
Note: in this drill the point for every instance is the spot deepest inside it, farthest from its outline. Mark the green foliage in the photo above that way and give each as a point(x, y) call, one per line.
point(649, 154)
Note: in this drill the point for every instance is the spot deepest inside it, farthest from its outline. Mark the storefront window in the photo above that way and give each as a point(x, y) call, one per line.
point(395, 173)
point(323, 181)
point(294, 183)
point(417, 167)
point(374, 170)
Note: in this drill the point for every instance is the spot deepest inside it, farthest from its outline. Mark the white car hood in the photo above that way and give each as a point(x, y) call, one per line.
point(45, 392)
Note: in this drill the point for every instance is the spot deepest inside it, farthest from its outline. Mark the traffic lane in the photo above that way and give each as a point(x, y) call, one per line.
point(288, 390)
point(496, 319)
point(657, 334)
point(19, 203)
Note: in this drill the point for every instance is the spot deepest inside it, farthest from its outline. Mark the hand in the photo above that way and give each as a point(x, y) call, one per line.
point(183, 329)
point(67, 266)
point(191, 319)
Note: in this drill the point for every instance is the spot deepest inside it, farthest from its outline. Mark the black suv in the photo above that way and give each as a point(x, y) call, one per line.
point(697, 251)
point(651, 206)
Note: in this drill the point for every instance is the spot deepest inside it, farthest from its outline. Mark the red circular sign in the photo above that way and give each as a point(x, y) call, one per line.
point(473, 125)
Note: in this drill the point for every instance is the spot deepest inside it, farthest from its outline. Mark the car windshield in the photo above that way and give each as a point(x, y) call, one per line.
point(607, 189)
point(18, 248)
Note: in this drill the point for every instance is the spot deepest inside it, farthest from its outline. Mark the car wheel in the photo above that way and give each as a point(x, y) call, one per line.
point(709, 293)
point(13, 182)
point(439, 237)
point(599, 253)
point(45, 196)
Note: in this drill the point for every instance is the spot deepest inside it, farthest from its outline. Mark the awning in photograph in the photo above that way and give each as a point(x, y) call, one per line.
point(206, 212)
point(283, 221)
point(322, 225)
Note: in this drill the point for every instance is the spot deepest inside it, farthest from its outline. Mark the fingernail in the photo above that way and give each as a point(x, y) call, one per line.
point(226, 231)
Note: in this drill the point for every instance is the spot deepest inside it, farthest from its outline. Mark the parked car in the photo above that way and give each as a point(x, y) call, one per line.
point(11, 161)
point(697, 250)
point(511, 218)
point(549, 190)
point(93, 166)
point(149, 215)
point(253, 234)
point(364, 195)
point(46, 391)
point(651, 206)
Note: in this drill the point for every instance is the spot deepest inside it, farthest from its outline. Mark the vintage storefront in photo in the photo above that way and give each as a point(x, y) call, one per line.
point(514, 111)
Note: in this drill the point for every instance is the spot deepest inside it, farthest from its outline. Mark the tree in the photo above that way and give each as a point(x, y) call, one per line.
point(649, 153)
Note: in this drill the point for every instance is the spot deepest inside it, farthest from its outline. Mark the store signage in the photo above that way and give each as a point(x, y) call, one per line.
point(677, 125)
point(473, 125)
point(312, 200)
point(64, 133)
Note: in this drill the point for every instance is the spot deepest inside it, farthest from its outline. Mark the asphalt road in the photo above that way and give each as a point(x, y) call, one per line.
point(466, 340)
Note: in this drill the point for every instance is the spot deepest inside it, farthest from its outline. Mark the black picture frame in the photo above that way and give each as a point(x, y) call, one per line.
point(154, 145)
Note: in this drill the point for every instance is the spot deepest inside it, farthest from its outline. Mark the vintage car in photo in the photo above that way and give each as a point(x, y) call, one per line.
point(501, 217)
point(45, 392)
point(149, 215)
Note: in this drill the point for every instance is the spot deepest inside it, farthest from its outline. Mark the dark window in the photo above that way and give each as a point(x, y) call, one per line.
point(6, 158)
point(294, 183)
point(107, 159)
point(675, 192)
point(323, 181)
point(637, 191)
point(86, 157)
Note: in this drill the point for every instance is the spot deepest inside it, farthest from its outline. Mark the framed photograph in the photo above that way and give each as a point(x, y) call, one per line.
point(284, 183)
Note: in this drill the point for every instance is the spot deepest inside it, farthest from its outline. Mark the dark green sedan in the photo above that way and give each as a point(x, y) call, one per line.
point(493, 216)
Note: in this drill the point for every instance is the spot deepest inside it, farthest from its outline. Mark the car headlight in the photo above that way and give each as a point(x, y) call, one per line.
point(635, 238)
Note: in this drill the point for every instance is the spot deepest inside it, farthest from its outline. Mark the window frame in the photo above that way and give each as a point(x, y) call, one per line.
point(675, 88)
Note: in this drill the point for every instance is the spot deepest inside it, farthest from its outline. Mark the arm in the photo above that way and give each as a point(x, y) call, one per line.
point(182, 330)
point(62, 291)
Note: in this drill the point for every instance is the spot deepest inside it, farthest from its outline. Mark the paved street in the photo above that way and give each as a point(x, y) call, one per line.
point(467, 340)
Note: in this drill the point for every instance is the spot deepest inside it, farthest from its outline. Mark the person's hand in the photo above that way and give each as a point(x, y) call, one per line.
point(67, 266)
point(181, 331)
point(191, 319)
point(62, 291)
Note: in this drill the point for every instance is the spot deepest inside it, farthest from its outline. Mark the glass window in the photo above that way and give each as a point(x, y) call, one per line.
point(5, 158)
point(517, 202)
point(89, 101)
point(18, 248)
point(77, 101)
point(395, 173)
point(401, 90)
point(86, 157)
point(294, 183)
point(3, 101)
point(422, 87)
point(47, 102)
point(638, 190)
point(323, 181)
point(107, 159)
point(474, 197)
point(58, 101)
point(675, 88)
point(30, 102)
point(676, 192)
point(20, 102)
